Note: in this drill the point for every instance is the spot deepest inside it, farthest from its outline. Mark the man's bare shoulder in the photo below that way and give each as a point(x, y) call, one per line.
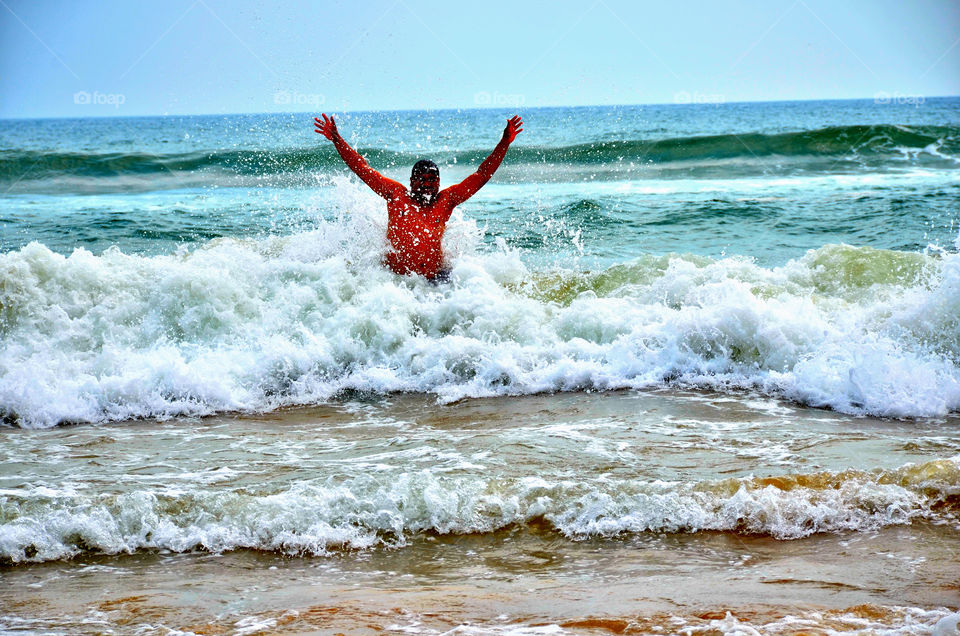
point(401, 196)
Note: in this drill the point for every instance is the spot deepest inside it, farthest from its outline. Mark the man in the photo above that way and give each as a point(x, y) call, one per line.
point(416, 219)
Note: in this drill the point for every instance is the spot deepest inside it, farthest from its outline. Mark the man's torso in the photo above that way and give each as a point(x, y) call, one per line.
point(415, 234)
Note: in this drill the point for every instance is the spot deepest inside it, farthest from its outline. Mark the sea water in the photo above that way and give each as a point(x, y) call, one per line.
point(695, 371)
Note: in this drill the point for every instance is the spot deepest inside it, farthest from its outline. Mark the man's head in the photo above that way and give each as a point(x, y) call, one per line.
point(424, 181)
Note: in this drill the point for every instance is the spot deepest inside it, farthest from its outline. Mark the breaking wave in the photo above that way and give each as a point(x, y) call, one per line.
point(252, 325)
point(43, 523)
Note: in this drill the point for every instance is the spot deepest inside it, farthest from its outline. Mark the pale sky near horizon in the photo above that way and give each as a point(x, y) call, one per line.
point(110, 58)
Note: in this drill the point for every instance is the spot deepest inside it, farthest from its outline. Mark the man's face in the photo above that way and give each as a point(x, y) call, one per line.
point(425, 184)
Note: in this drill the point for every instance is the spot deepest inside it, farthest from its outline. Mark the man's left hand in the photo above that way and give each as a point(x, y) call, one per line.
point(514, 128)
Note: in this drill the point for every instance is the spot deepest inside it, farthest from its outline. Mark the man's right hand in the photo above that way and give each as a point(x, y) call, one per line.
point(326, 127)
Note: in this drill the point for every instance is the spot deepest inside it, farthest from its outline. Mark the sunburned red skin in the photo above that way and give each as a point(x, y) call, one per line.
point(417, 219)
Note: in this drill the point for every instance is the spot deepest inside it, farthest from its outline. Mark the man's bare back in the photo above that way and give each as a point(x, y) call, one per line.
point(417, 218)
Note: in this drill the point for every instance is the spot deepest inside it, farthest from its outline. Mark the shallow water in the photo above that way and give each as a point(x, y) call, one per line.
point(507, 582)
point(571, 513)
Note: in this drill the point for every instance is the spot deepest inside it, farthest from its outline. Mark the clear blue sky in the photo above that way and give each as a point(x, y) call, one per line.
point(120, 57)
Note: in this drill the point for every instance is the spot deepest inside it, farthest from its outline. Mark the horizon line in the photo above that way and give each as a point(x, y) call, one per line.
point(519, 108)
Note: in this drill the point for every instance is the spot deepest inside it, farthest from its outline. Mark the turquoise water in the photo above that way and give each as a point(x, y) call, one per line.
point(154, 267)
point(768, 181)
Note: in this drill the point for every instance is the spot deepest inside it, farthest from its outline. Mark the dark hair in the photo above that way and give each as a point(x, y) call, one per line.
point(423, 167)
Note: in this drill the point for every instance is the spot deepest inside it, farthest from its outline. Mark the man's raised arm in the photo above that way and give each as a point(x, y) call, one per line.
point(459, 193)
point(387, 188)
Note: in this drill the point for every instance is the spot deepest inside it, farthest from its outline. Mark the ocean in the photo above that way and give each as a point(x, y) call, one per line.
point(696, 371)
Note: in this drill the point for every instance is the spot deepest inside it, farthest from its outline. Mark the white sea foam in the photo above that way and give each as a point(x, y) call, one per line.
point(364, 512)
point(256, 324)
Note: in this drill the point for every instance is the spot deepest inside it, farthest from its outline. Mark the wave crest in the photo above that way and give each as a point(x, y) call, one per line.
point(881, 143)
point(316, 518)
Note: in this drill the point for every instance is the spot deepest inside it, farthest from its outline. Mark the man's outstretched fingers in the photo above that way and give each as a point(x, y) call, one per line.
point(326, 127)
